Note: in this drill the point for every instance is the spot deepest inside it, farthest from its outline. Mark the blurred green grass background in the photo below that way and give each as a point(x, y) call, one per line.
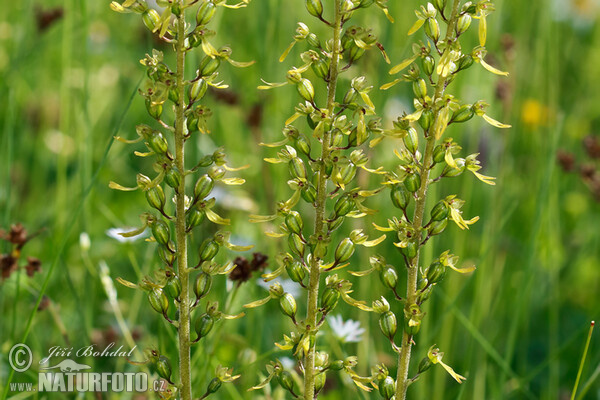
point(515, 328)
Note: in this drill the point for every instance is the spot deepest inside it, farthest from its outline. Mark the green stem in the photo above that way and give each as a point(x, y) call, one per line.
point(315, 273)
point(402, 380)
point(180, 228)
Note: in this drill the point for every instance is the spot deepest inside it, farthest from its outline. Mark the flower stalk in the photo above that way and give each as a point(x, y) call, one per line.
point(315, 268)
point(171, 285)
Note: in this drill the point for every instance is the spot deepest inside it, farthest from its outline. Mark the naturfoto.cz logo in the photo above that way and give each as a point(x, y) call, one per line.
point(70, 376)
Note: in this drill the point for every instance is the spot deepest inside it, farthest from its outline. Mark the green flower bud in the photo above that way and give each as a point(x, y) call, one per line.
point(412, 319)
point(197, 90)
point(313, 40)
point(428, 65)
point(436, 272)
point(387, 388)
point(286, 381)
point(343, 206)
point(156, 197)
point(161, 232)
point(303, 145)
point(432, 29)
point(306, 89)
point(420, 89)
point(413, 182)
point(209, 65)
point(208, 250)
point(163, 368)
point(463, 114)
point(166, 256)
point(321, 68)
point(440, 211)
point(426, 119)
point(337, 365)
point(329, 299)
point(464, 62)
point(154, 110)
point(173, 177)
point(400, 196)
point(297, 168)
point(295, 271)
point(296, 245)
point(203, 187)
point(150, 18)
point(452, 172)
point(336, 223)
point(424, 294)
point(204, 325)
point(202, 285)
point(439, 153)
point(424, 365)
point(216, 172)
point(320, 382)
point(315, 8)
point(439, 5)
point(194, 218)
point(158, 300)
point(389, 277)
point(388, 324)
point(410, 251)
point(356, 52)
point(287, 303)
point(206, 12)
point(214, 385)
point(173, 286)
point(437, 227)
point(344, 251)
point(309, 193)
point(463, 23)
point(411, 140)
point(294, 222)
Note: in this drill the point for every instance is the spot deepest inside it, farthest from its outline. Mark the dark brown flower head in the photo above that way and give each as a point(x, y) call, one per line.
point(17, 235)
point(8, 265)
point(45, 303)
point(33, 266)
point(591, 144)
point(587, 171)
point(46, 18)
point(566, 160)
point(244, 268)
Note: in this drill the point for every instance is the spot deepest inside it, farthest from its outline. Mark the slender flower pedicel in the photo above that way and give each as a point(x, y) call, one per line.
point(323, 158)
point(173, 101)
point(432, 68)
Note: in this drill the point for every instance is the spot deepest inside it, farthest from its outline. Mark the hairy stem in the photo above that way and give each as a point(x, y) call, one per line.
point(315, 273)
point(180, 229)
point(402, 380)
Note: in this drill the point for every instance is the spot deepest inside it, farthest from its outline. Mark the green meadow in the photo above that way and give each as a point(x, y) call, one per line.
point(516, 327)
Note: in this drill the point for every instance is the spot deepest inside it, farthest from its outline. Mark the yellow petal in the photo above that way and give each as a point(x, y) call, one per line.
point(240, 64)
point(482, 30)
point(116, 186)
point(127, 283)
point(389, 84)
point(492, 69)
point(233, 181)
point(495, 123)
point(287, 51)
point(402, 65)
point(262, 218)
point(258, 303)
point(375, 242)
point(381, 228)
point(418, 24)
point(215, 218)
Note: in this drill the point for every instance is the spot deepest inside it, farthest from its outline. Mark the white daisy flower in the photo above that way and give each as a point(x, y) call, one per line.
point(115, 234)
point(347, 331)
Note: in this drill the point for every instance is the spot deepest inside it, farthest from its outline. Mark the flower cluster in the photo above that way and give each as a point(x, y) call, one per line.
point(174, 103)
point(323, 148)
